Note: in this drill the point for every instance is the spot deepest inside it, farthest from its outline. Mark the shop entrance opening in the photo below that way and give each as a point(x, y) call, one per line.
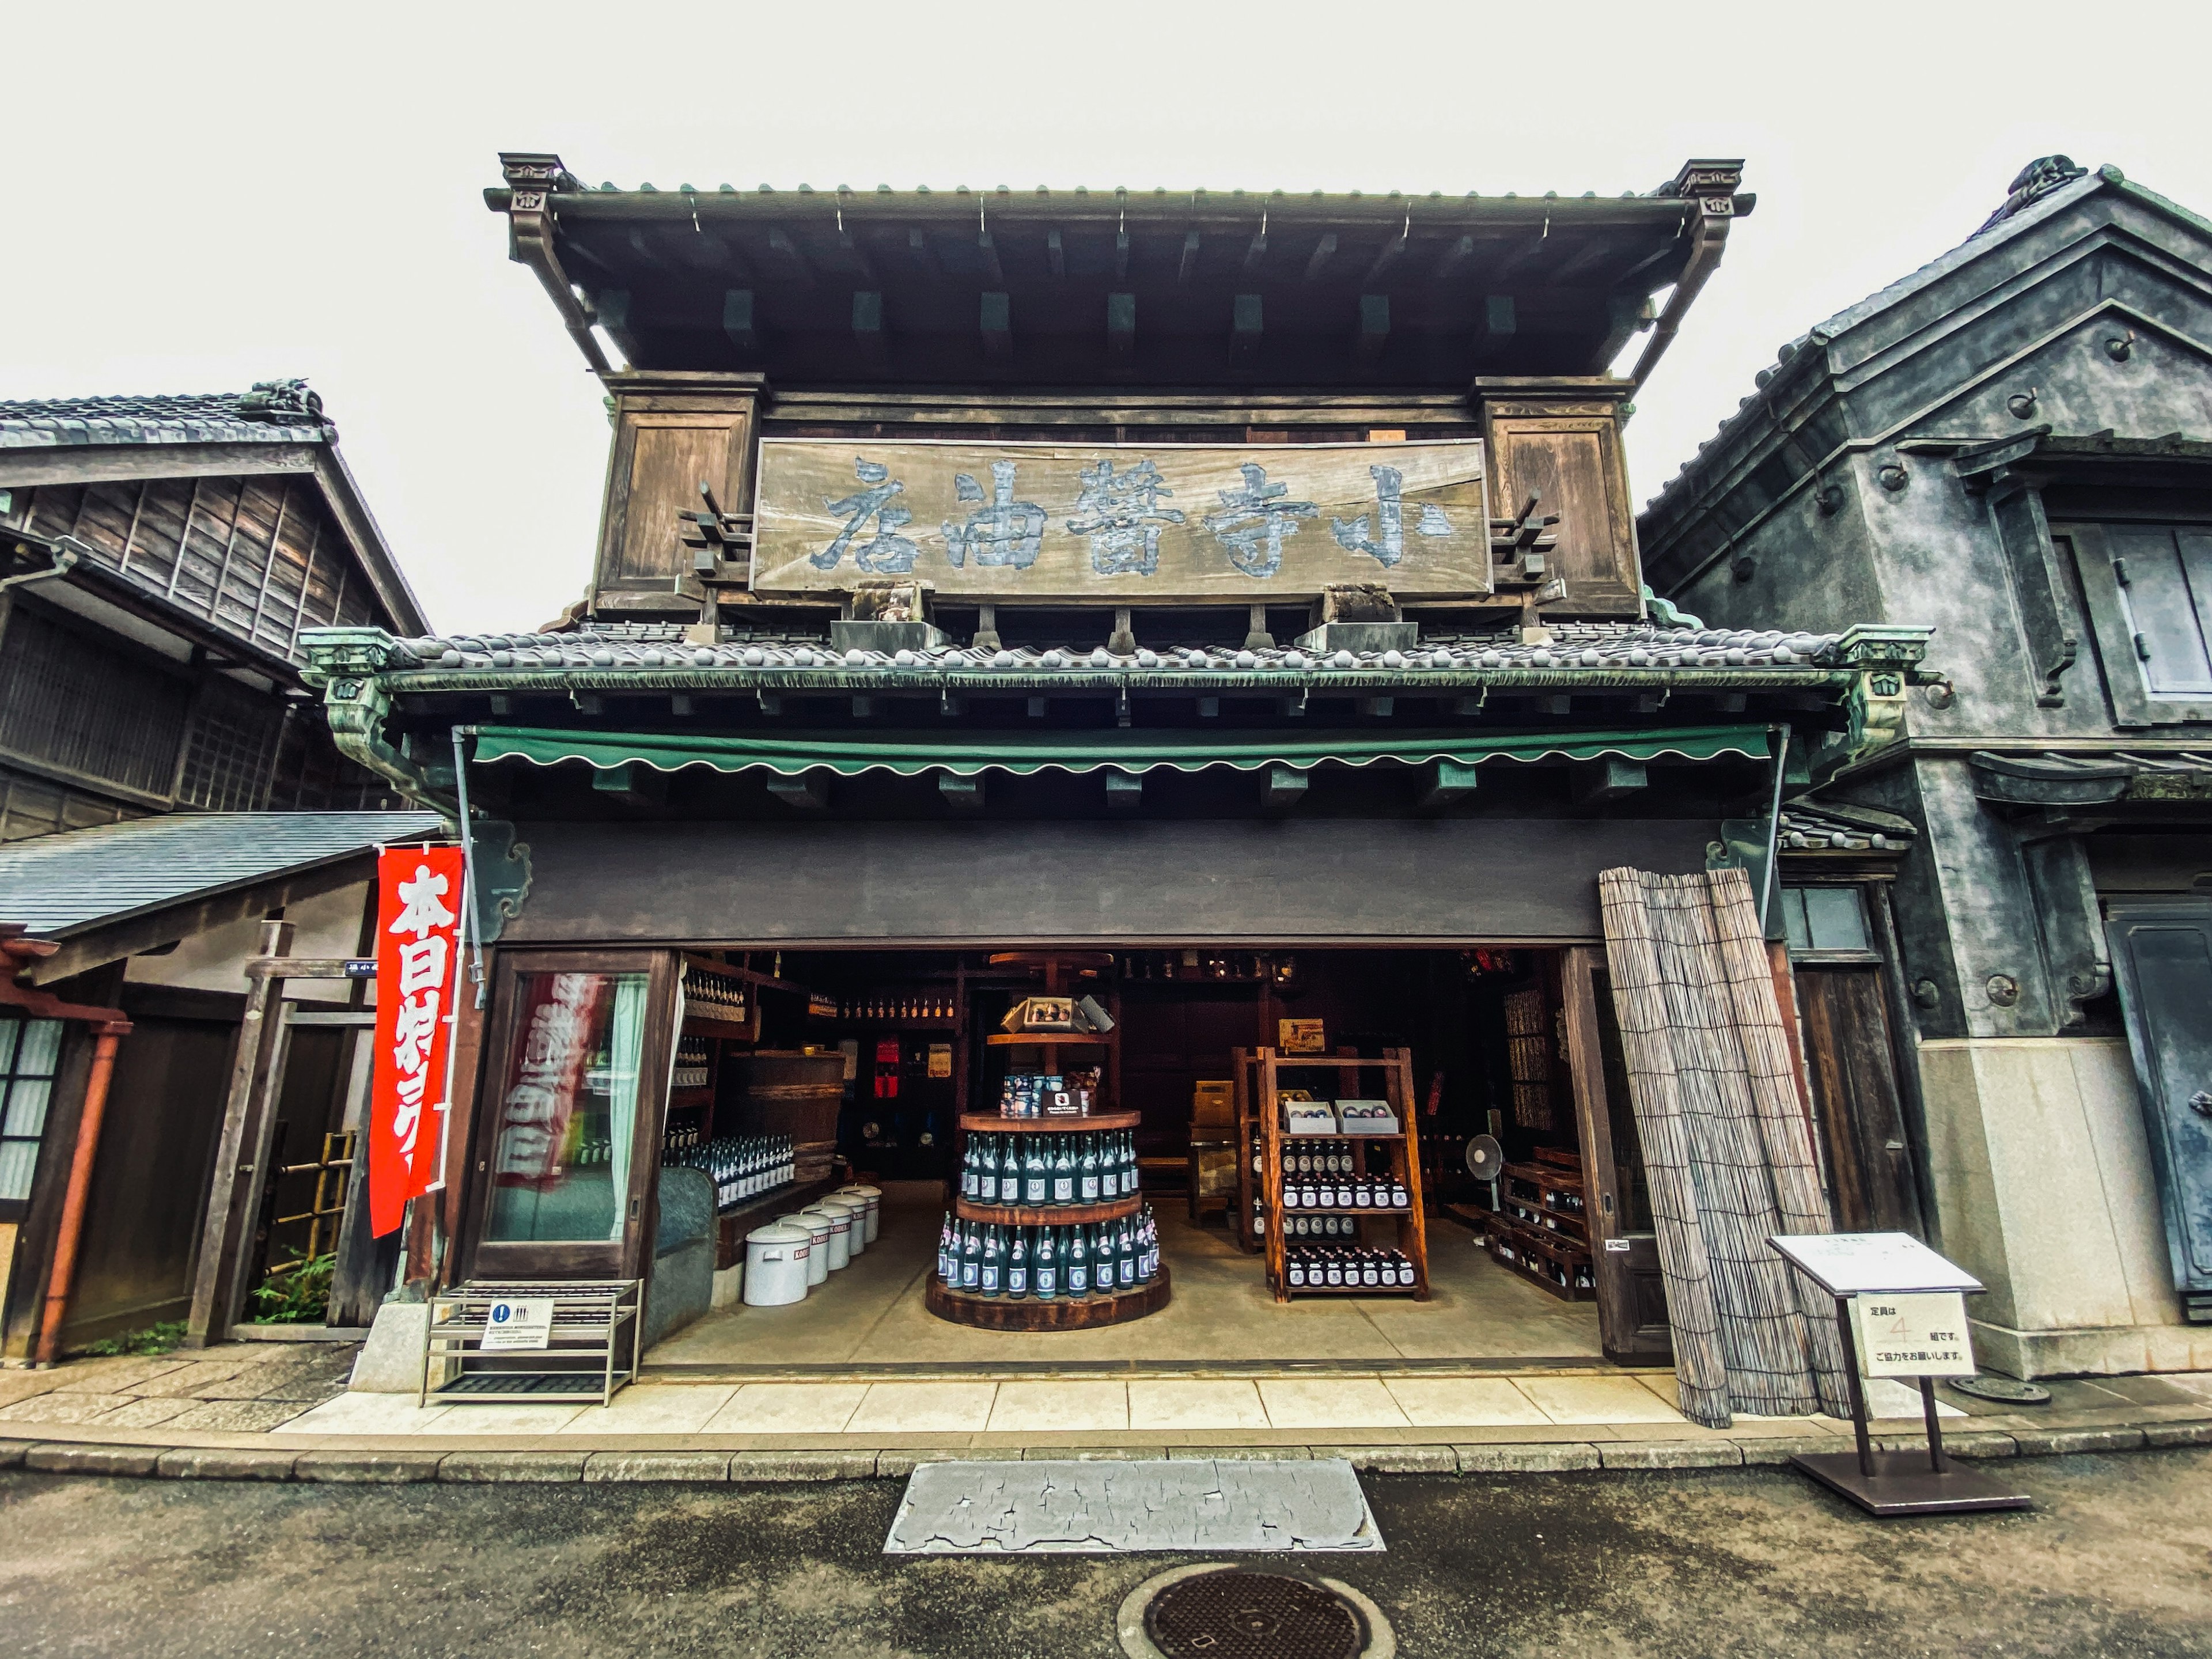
point(794, 1074)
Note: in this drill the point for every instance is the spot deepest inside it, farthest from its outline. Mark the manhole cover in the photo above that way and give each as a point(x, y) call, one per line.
point(1253, 1616)
point(2010, 1391)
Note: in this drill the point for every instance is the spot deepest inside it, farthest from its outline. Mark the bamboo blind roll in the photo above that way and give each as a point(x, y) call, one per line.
point(1727, 1155)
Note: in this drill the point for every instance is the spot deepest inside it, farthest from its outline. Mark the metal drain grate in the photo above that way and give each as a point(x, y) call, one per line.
point(1253, 1616)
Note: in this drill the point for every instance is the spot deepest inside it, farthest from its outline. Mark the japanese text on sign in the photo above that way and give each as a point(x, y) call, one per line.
point(1183, 521)
point(417, 962)
point(1922, 1334)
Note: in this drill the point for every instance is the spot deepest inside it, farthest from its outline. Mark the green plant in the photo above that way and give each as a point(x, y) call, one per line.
point(154, 1340)
point(297, 1292)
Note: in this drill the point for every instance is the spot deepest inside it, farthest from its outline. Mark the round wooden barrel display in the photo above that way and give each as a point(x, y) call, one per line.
point(1061, 1313)
point(794, 1095)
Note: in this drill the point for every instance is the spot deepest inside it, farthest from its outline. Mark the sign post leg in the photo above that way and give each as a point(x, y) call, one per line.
point(1937, 1460)
point(1859, 1429)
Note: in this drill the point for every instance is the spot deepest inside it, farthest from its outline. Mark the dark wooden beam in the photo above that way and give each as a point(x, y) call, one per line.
point(808, 793)
point(1245, 328)
point(1324, 250)
point(853, 256)
point(1121, 254)
point(1627, 315)
point(1387, 261)
point(1256, 252)
point(738, 319)
point(1374, 327)
point(1189, 262)
point(1499, 320)
point(1121, 326)
point(1448, 782)
point(868, 326)
point(918, 249)
point(1593, 783)
point(780, 245)
point(961, 794)
point(998, 325)
point(1055, 256)
point(1125, 792)
point(1282, 789)
point(633, 783)
point(988, 251)
point(1452, 258)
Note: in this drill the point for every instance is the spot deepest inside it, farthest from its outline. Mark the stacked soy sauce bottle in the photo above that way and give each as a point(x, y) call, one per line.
point(1040, 1171)
point(1045, 1263)
point(1324, 1266)
point(742, 1166)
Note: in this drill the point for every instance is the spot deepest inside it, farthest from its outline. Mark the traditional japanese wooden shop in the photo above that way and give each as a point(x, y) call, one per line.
point(1101, 716)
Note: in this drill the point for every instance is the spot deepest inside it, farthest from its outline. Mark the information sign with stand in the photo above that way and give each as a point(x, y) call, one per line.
point(1903, 1308)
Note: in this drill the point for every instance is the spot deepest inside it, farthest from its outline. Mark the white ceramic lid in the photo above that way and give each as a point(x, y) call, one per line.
point(777, 1232)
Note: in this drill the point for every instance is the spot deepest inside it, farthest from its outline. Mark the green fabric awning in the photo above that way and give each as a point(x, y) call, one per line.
point(967, 754)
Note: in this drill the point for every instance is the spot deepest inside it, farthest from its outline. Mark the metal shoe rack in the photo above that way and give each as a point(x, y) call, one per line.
point(592, 1325)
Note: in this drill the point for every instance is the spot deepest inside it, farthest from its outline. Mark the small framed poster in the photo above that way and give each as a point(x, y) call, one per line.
point(1916, 1334)
point(940, 1060)
point(517, 1327)
point(1299, 1037)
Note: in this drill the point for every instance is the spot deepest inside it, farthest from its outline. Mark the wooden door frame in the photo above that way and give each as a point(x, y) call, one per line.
point(573, 1259)
point(1616, 1314)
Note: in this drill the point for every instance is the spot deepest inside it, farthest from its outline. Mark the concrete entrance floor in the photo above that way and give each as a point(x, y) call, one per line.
point(871, 1313)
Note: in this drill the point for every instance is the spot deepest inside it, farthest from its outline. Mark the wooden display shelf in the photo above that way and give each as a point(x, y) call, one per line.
point(888, 1023)
point(1048, 1040)
point(1401, 1160)
point(684, 1098)
point(999, 1312)
point(1048, 1215)
point(729, 1031)
point(1565, 1292)
point(1413, 1290)
point(1339, 1209)
point(992, 1123)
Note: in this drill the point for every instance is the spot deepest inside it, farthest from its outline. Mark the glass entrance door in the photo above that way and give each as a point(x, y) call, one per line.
point(568, 1118)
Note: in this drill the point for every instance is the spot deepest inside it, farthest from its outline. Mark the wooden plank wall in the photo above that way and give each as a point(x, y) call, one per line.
point(259, 558)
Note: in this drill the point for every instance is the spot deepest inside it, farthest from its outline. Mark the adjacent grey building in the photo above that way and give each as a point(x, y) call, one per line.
point(2010, 444)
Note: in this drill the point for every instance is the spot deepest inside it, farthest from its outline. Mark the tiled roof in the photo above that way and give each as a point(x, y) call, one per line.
point(1572, 645)
point(1999, 227)
point(61, 883)
point(1824, 827)
point(275, 411)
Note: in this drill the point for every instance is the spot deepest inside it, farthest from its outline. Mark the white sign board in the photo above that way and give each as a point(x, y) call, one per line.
point(516, 1327)
point(1846, 1264)
point(1922, 1334)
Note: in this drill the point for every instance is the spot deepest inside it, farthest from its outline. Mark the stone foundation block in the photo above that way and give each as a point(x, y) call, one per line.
point(2056, 1443)
point(803, 1466)
point(1669, 1455)
point(367, 1468)
point(657, 1465)
point(1527, 1457)
point(2179, 1434)
point(203, 1463)
point(558, 1467)
point(1396, 1460)
point(92, 1460)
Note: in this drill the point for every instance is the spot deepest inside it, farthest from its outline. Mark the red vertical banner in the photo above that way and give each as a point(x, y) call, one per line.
point(418, 959)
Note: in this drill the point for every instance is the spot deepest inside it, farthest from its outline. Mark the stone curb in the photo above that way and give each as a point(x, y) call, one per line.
point(410, 1465)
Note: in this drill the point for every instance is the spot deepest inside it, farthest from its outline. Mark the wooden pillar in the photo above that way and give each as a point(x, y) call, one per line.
point(248, 1121)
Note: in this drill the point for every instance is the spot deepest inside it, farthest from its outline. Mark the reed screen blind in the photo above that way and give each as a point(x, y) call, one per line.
point(1727, 1152)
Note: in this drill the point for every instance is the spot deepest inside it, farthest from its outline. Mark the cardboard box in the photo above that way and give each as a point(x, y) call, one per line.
point(1213, 1106)
point(1308, 1117)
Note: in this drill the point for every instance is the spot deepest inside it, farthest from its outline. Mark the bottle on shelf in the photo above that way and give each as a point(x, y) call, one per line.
point(1017, 1263)
point(1045, 1266)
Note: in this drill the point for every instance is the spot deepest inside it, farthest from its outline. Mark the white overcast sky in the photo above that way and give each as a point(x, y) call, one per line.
point(198, 197)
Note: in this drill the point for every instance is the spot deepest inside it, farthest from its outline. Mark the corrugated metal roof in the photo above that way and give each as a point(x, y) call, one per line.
point(60, 885)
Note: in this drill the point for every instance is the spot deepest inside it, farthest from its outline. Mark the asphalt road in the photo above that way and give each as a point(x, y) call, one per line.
point(2116, 1559)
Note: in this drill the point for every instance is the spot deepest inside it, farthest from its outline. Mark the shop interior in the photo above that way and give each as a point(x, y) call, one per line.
point(800, 1075)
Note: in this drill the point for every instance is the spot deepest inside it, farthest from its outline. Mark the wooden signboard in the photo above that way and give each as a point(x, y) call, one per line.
point(1122, 524)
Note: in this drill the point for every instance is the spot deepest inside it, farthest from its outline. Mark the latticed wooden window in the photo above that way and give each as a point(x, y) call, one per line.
point(234, 748)
point(30, 1054)
point(87, 711)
